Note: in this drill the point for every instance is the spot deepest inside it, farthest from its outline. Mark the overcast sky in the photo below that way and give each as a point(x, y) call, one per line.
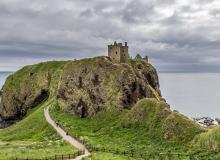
point(177, 35)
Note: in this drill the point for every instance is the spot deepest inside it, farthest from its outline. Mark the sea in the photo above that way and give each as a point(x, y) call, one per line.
point(193, 94)
point(3, 76)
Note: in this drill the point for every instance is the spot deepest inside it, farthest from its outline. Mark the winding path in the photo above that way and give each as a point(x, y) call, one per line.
point(74, 142)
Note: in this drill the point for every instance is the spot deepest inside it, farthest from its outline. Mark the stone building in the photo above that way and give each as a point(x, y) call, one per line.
point(118, 53)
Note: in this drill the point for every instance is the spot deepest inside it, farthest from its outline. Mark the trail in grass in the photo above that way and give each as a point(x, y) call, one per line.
point(74, 142)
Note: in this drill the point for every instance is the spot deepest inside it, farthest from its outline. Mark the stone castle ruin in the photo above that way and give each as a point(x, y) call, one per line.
point(118, 53)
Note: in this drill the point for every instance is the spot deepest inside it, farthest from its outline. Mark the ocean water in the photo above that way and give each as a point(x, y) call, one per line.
point(192, 94)
point(3, 76)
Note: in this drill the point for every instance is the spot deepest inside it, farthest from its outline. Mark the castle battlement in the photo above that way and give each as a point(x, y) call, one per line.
point(118, 53)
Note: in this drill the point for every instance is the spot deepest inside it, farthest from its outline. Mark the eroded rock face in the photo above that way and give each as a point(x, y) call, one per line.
point(26, 89)
point(92, 85)
point(15, 104)
point(83, 87)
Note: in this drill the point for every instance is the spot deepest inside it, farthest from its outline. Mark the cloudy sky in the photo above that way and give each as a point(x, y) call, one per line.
point(177, 35)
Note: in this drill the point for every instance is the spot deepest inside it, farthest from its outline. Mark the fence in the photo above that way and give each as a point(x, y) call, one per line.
point(56, 157)
point(145, 156)
point(156, 155)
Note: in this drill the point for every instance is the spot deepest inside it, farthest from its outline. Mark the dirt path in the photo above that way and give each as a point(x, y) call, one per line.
point(74, 142)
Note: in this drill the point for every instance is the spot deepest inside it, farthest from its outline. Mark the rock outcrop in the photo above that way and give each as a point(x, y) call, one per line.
point(83, 87)
point(27, 88)
point(92, 85)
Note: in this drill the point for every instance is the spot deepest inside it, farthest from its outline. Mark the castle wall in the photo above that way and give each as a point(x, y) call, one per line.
point(124, 54)
point(118, 53)
point(114, 53)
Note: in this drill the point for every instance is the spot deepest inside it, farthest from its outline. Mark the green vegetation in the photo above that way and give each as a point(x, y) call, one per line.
point(27, 87)
point(140, 130)
point(118, 117)
point(209, 140)
point(32, 137)
point(161, 122)
point(35, 76)
point(109, 156)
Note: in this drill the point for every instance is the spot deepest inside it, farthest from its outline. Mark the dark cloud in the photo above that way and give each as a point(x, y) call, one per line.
point(178, 36)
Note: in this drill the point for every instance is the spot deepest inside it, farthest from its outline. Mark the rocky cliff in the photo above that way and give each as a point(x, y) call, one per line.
point(83, 87)
point(27, 88)
point(92, 85)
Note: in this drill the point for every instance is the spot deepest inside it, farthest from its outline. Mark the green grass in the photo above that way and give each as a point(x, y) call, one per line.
point(109, 156)
point(106, 130)
point(142, 134)
point(20, 80)
point(32, 137)
point(209, 140)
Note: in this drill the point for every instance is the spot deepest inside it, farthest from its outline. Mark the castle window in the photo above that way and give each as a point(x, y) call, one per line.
point(123, 50)
point(116, 52)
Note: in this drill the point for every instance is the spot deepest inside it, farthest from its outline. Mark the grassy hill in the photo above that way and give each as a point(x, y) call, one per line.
point(141, 130)
point(110, 107)
point(32, 137)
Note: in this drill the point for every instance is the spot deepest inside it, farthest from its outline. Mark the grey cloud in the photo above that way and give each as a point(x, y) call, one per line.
point(175, 37)
point(136, 11)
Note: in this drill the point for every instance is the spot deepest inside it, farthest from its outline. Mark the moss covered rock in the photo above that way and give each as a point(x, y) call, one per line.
point(83, 87)
point(28, 87)
point(91, 85)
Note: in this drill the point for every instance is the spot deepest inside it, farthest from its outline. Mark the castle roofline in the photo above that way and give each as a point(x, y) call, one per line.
point(119, 44)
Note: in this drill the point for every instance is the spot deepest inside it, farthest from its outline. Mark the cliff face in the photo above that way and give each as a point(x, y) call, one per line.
point(92, 85)
point(29, 87)
point(83, 87)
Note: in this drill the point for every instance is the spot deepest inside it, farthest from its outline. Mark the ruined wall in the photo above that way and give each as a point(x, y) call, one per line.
point(124, 54)
point(114, 53)
point(118, 52)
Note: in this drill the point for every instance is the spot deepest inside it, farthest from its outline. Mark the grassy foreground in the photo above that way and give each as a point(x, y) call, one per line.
point(108, 130)
point(32, 137)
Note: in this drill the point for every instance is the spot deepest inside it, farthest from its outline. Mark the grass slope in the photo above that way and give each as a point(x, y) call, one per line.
point(209, 140)
point(32, 137)
point(139, 130)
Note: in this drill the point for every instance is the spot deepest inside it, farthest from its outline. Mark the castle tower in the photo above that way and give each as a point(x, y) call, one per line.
point(118, 53)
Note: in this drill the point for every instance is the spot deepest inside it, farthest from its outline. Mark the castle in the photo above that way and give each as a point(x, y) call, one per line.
point(118, 53)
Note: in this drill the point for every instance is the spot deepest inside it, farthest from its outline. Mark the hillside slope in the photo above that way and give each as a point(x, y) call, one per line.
point(32, 137)
point(107, 104)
